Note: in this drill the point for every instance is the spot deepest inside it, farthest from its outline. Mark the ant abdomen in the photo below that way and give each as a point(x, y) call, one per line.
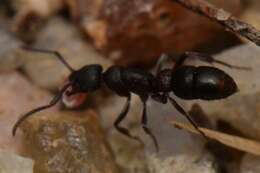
point(206, 83)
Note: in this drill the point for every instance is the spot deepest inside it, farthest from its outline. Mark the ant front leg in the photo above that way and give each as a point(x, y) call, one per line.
point(187, 116)
point(121, 117)
point(206, 58)
point(145, 121)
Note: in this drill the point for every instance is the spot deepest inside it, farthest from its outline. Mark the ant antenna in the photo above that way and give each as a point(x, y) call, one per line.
point(232, 66)
point(209, 59)
point(53, 102)
point(56, 53)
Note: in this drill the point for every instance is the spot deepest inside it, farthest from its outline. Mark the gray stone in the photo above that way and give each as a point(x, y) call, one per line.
point(11, 163)
point(181, 163)
point(9, 51)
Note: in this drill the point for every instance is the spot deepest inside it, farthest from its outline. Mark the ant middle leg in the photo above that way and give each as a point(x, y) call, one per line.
point(121, 117)
point(187, 116)
point(206, 58)
point(144, 124)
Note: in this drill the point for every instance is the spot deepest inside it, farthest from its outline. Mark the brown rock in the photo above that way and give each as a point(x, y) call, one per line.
point(68, 142)
point(140, 30)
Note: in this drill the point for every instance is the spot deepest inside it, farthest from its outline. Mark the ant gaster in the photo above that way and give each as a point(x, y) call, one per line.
point(186, 82)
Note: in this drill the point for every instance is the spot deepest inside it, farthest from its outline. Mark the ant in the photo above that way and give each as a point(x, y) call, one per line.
point(186, 82)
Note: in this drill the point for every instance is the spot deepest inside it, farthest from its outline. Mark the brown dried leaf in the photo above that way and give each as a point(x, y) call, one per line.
point(242, 144)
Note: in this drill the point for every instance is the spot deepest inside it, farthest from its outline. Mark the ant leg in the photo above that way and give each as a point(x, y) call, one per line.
point(206, 58)
point(182, 111)
point(121, 117)
point(163, 58)
point(144, 125)
point(56, 53)
point(53, 102)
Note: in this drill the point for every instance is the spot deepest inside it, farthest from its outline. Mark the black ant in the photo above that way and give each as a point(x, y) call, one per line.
point(186, 82)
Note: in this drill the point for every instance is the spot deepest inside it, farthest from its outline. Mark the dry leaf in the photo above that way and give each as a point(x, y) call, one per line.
point(243, 144)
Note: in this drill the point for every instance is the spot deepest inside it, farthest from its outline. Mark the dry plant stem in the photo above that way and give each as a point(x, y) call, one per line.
point(239, 143)
point(224, 18)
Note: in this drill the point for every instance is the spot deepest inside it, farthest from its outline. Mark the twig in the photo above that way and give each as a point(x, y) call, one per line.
point(239, 143)
point(224, 18)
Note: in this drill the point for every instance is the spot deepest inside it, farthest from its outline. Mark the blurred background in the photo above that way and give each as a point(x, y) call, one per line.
point(132, 34)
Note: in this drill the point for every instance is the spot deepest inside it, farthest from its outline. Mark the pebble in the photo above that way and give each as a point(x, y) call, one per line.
point(12, 163)
point(9, 51)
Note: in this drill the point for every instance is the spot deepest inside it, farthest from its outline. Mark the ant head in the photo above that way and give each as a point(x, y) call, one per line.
point(88, 78)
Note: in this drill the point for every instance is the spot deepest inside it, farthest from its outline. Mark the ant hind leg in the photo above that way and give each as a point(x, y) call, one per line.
point(187, 116)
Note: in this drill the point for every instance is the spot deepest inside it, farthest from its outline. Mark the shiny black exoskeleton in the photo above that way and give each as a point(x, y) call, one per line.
point(186, 82)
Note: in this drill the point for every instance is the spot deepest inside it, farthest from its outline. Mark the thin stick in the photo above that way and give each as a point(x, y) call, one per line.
point(222, 17)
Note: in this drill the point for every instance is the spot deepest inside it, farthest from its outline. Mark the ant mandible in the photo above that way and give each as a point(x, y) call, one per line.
point(186, 82)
